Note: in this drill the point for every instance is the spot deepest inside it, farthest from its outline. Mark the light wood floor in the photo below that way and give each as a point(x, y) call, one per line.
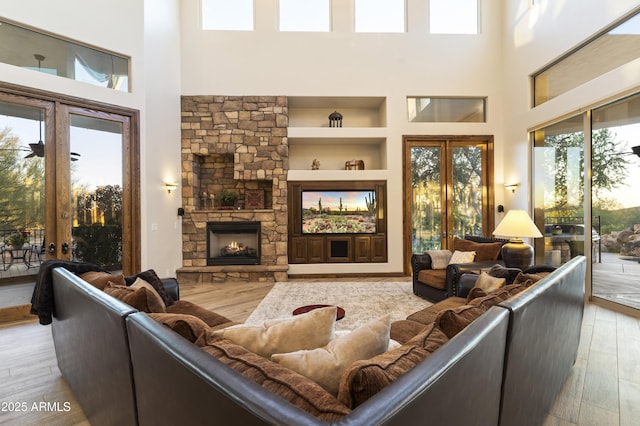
point(603, 389)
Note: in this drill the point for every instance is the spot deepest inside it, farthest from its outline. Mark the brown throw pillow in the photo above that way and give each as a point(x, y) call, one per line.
point(138, 298)
point(453, 321)
point(300, 391)
point(187, 326)
point(366, 378)
point(152, 278)
point(151, 292)
point(100, 279)
point(484, 251)
point(211, 318)
point(527, 279)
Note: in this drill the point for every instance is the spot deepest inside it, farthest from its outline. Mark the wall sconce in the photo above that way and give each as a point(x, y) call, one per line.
point(512, 186)
point(170, 186)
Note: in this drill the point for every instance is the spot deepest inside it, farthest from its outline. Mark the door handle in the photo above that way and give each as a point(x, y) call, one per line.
point(65, 247)
point(52, 248)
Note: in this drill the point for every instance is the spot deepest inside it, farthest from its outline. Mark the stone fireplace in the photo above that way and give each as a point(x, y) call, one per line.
point(233, 243)
point(237, 144)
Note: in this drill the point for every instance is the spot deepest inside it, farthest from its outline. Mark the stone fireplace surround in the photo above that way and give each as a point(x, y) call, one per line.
point(236, 143)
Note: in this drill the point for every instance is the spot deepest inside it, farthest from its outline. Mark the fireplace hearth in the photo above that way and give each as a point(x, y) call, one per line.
point(233, 243)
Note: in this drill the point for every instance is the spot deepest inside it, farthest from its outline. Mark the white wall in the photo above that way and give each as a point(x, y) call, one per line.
point(535, 36)
point(150, 37)
point(343, 63)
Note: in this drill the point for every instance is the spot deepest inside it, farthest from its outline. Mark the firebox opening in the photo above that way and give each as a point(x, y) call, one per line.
point(233, 243)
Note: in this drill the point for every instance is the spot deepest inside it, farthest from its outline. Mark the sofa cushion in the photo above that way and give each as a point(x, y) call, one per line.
point(404, 330)
point(210, 318)
point(138, 298)
point(311, 330)
point(187, 326)
point(436, 278)
point(488, 283)
point(462, 257)
point(484, 251)
point(439, 258)
point(527, 279)
point(367, 377)
point(300, 391)
point(453, 321)
point(429, 314)
point(101, 279)
point(152, 278)
point(325, 365)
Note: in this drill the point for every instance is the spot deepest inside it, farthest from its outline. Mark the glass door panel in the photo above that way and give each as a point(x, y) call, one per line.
point(96, 164)
point(22, 199)
point(615, 132)
point(467, 188)
point(426, 198)
point(558, 176)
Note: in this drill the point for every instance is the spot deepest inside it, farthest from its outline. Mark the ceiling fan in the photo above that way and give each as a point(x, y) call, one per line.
point(36, 150)
point(635, 150)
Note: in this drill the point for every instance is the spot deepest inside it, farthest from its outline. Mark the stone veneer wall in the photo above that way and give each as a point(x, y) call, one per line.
point(234, 143)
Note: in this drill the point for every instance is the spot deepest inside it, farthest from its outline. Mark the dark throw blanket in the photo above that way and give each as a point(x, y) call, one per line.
point(42, 299)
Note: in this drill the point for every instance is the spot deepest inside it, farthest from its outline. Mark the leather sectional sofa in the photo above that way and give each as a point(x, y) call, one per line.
point(124, 367)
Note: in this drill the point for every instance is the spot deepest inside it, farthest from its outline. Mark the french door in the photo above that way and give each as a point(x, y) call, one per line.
point(447, 191)
point(74, 183)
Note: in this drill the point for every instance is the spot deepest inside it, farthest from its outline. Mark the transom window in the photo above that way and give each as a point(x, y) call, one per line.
point(307, 15)
point(381, 16)
point(453, 16)
point(227, 15)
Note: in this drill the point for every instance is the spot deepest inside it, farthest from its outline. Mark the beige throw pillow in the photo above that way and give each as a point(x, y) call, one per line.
point(326, 365)
point(307, 331)
point(462, 257)
point(488, 283)
point(439, 258)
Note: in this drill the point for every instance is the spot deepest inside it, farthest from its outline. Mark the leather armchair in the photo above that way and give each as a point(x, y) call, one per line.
point(438, 284)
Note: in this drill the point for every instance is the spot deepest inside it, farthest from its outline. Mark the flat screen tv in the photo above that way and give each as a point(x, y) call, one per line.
point(339, 212)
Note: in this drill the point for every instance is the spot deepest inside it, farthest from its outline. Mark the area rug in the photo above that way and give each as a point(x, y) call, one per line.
point(362, 301)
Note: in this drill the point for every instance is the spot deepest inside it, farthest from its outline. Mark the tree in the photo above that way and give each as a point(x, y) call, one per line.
point(609, 169)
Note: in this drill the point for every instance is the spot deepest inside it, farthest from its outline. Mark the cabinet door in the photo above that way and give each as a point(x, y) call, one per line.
point(339, 249)
point(379, 249)
point(298, 250)
point(315, 250)
point(363, 249)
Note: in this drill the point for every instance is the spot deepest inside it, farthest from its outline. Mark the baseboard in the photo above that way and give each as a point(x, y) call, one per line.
point(350, 274)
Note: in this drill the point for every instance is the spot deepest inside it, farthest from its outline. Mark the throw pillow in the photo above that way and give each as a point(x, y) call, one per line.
point(138, 298)
point(100, 279)
point(187, 326)
point(462, 257)
point(527, 279)
point(151, 292)
point(212, 319)
point(306, 331)
point(152, 278)
point(453, 321)
point(300, 391)
point(326, 365)
point(439, 258)
point(488, 283)
point(484, 251)
point(365, 378)
point(500, 271)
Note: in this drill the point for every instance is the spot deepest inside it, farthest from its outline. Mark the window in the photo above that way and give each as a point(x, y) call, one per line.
point(446, 110)
point(227, 15)
point(304, 15)
point(453, 16)
point(384, 16)
point(612, 49)
point(63, 58)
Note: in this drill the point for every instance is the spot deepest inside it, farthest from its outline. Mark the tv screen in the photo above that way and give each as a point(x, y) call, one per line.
point(339, 212)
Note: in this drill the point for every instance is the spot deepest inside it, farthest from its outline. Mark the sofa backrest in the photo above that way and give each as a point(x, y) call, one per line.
point(177, 382)
point(542, 343)
point(92, 349)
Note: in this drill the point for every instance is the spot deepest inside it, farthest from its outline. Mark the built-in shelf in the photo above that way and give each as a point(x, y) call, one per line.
point(362, 137)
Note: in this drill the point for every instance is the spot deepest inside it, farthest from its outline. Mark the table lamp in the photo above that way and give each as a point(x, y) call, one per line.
point(517, 225)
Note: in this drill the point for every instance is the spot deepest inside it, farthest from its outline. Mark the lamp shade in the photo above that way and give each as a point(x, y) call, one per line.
point(517, 224)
